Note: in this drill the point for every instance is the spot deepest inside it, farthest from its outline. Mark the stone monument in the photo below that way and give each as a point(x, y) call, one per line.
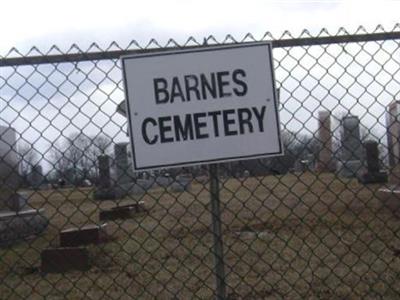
point(126, 182)
point(183, 182)
point(325, 162)
point(10, 179)
point(373, 173)
point(35, 177)
point(104, 189)
point(17, 219)
point(393, 141)
point(390, 194)
point(351, 147)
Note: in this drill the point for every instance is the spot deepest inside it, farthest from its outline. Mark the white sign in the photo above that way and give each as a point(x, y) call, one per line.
point(202, 105)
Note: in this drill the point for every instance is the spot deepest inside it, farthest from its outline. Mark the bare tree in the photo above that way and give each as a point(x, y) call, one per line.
point(75, 158)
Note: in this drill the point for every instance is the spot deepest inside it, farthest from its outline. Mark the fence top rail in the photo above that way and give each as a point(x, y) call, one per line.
point(116, 54)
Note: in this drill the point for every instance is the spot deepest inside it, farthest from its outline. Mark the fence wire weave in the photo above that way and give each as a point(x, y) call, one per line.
point(319, 222)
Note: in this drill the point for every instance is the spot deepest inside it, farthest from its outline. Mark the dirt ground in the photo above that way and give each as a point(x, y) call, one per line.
point(301, 236)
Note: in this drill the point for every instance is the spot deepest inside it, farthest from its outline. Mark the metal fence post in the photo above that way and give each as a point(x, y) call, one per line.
point(217, 233)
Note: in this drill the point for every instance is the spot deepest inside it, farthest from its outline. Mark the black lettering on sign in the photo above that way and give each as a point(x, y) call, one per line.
point(160, 90)
point(176, 90)
point(236, 79)
point(214, 85)
point(208, 87)
point(222, 83)
point(199, 123)
point(260, 117)
point(203, 125)
point(183, 131)
point(229, 121)
point(146, 138)
point(165, 128)
point(244, 116)
point(214, 115)
point(192, 86)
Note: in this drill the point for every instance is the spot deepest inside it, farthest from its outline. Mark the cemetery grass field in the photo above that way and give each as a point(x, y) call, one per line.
point(292, 237)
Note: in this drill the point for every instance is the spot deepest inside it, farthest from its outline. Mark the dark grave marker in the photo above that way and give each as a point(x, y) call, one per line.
point(373, 173)
point(60, 260)
point(122, 211)
point(89, 234)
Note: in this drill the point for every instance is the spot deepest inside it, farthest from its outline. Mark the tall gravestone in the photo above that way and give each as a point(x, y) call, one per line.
point(125, 181)
point(10, 179)
point(324, 162)
point(373, 173)
point(104, 189)
point(35, 177)
point(122, 166)
point(17, 219)
point(393, 141)
point(390, 194)
point(351, 147)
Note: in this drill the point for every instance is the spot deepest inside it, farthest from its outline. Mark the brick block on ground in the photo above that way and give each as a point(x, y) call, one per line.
point(60, 260)
point(88, 234)
point(122, 211)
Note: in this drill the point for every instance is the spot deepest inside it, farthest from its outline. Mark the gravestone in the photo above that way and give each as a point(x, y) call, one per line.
point(78, 236)
point(298, 166)
point(163, 181)
point(35, 177)
point(126, 182)
point(182, 183)
point(18, 225)
point(10, 179)
point(60, 260)
point(324, 162)
point(17, 219)
point(122, 165)
point(390, 194)
point(373, 174)
point(104, 189)
point(393, 140)
point(122, 211)
point(351, 148)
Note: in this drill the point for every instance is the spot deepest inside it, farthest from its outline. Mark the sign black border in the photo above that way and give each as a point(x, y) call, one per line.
point(192, 50)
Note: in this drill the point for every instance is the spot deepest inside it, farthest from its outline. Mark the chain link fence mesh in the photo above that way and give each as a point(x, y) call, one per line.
point(320, 222)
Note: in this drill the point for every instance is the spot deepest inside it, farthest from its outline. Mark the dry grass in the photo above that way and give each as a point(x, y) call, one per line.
point(290, 237)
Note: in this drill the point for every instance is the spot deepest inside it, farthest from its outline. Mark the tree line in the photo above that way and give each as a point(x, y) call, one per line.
point(74, 159)
point(71, 160)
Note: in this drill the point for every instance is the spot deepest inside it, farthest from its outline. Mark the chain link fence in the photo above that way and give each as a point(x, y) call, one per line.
point(320, 222)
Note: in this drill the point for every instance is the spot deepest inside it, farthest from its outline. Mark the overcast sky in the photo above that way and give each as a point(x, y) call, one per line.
point(42, 23)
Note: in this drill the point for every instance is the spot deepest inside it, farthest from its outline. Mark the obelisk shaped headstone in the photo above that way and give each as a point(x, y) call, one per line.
point(324, 162)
